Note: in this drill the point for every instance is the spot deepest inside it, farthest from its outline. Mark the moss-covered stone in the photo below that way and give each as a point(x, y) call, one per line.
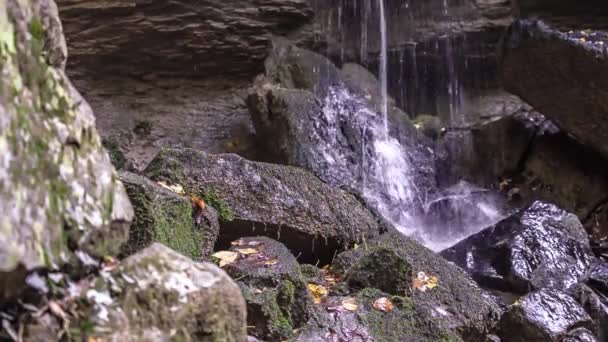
point(58, 190)
point(160, 295)
point(166, 217)
point(382, 269)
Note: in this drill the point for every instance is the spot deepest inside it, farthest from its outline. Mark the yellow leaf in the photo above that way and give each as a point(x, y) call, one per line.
point(178, 189)
point(423, 282)
point(431, 283)
point(226, 257)
point(350, 304)
point(356, 247)
point(271, 262)
point(318, 292)
point(383, 304)
point(247, 251)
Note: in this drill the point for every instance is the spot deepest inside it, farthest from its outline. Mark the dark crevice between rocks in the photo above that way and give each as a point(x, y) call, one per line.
point(308, 249)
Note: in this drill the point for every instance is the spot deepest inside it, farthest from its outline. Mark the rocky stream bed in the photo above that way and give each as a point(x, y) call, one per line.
point(233, 171)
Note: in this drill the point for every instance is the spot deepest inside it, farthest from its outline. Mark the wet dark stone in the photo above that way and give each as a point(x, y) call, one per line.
point(542, 316)
point(580, 335)
point(596, 305)
point(540, 246)
point(598, 278)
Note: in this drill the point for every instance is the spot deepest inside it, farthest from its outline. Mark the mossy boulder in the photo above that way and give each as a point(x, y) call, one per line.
point(272, 283)
point(392, 261)
point(164, 216)
point(58, 190)
point(289, 204)
point(403, 322)
point(155, 295)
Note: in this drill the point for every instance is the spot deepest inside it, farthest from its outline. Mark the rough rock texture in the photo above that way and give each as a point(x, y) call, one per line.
point(179, 38)
point(282, 202)
point(159, 294)
point(543, 316)
point(541, 63)
point(58, 190)
point(457, 304)
point(595, 304)
point(273, 286)
point(169, 218)
point(541, 246)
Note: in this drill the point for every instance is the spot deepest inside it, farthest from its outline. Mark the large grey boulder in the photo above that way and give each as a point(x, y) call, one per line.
point(156, 294)
point(562, 74)
point(58, 190)
point(282, 202)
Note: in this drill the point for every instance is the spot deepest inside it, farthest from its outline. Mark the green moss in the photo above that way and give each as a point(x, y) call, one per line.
point(383, 269)
point(117, 157)
point(211, 197)
point(175, 228)
point(143, 128)
point(36, 29)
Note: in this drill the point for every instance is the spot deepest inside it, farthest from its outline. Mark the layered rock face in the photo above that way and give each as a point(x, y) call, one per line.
point(58, 191)
point(178, 38)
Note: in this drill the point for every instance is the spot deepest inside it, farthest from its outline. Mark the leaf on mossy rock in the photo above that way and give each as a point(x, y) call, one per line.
point(423, 282)
point(226, 257)
point(350, 304)
point(318, 292)
point(178, 189)
point(383, 304)
point(198, 203)
point(271, 262)
point(241, 242)
point(247, 251)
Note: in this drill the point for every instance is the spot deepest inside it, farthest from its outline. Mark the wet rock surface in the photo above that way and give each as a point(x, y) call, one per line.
point(545, 315)
point(52, 202)
point(164, 216)
point(555, 62)
point(312, 115)
point(541, 246)
point(282, 202)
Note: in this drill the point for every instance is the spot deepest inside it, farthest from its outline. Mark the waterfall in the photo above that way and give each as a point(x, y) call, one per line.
point(391, 172)
point(383, 66)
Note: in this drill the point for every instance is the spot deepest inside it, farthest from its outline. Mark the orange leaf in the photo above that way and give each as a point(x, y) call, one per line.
point(197, 202)
point(383, 304)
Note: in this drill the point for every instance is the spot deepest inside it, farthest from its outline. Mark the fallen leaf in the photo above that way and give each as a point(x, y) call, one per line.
point(271, 262)
point(350, 304)
point(57, 310)
point(356, 247)
point(247, 251)
point(383, 304)
point(423, 282)
point(178, 189)
point(318, 292)
point(197, 202)
point(226, 257)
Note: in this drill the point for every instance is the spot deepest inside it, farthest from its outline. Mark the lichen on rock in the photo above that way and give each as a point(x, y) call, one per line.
point(58, 190)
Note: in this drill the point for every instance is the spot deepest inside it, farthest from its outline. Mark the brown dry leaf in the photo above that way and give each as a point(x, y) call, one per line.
point(226, 257)
point(247, 251)
point(197, 202)
point(318, 292)
point(350, 304)
point(178, 189)
point(383, 304)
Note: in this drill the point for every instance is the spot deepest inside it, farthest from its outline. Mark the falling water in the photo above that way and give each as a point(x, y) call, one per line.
point(383, 66)
point(387, 170)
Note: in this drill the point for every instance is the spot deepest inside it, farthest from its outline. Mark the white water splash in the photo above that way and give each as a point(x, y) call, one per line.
point(383, 67)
